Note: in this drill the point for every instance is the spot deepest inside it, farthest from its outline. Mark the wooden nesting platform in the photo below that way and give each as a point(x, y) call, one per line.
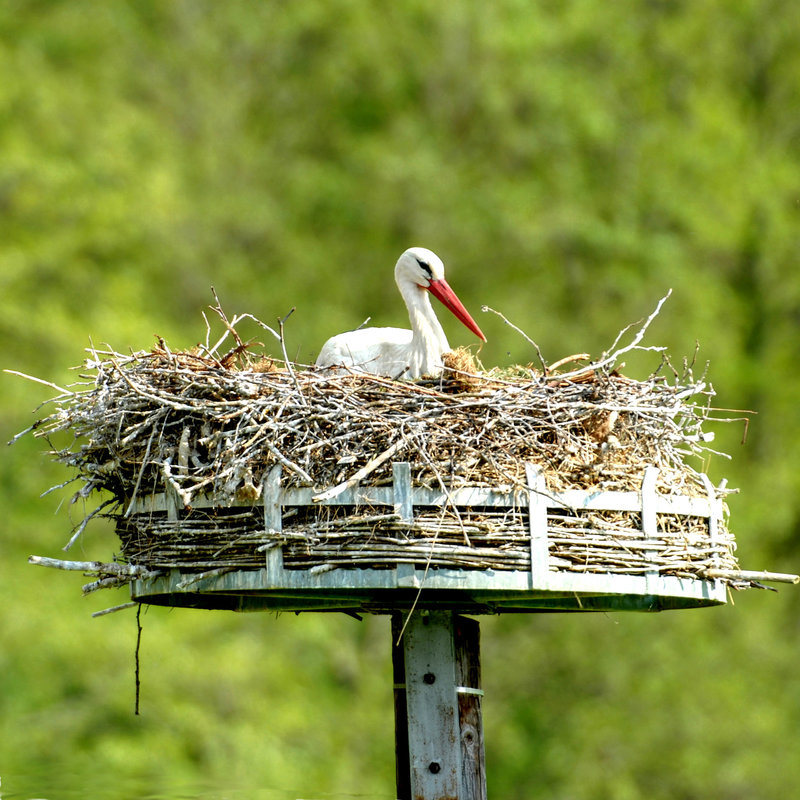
point(473, 549)
point(244, 483)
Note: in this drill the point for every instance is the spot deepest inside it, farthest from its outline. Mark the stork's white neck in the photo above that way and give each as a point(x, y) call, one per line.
point(428, 340)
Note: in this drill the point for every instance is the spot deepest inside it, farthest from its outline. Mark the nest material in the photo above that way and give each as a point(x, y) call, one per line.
point(210, 427)
point(160, 419)
point(317, 539)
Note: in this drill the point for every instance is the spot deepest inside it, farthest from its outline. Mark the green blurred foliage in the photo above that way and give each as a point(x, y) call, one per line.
point(570, 162)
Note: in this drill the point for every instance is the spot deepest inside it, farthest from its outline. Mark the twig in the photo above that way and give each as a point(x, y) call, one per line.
point(750, 575)
point(359, 476)
point(185, 496)
point(80, 529)
point(290, 369)
point(138, 483)
point(569, 359)
point(287, 463)
point(114, 609)
point(524, 335)
point(97, 567)
point(230, 329)
point(64, 392)
point(211, 573)
point(613, 358)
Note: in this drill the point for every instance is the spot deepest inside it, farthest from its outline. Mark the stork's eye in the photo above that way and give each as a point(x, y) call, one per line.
point(425, 267)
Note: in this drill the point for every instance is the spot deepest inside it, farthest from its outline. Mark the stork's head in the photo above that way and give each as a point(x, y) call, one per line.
point(419, 265)
point(424, 268)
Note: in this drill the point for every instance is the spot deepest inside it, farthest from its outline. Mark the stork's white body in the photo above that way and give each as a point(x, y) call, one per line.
point(397, 352)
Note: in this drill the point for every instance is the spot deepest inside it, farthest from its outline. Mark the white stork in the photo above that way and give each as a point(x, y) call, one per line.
point(396, 352)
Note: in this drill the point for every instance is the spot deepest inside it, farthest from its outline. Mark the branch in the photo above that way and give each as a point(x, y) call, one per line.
point(608, 360)
point(751, 575)
point(52, 385)
point(80, 529)
point(113, 609)
point(357, 477)
point(94, 567)
point(522, 333)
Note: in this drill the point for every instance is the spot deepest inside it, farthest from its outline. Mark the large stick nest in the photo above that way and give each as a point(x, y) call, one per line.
point(201, 427)
point(211, 423)
point(204, 422)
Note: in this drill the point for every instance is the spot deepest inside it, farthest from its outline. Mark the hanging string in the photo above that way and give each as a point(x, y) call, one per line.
point(138, 646)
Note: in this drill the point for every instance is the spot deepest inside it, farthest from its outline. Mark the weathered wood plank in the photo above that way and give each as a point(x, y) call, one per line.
point(470, 717)
point(537, 525)
point(433, 732)
point(502, 497)
point(403, 494)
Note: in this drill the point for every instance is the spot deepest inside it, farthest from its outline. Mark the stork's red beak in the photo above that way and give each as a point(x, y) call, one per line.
point(442, 292)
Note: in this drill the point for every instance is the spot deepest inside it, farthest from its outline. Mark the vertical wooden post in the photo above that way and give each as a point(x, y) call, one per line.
point(438, 725)
point(537, 526)
point(273, 521)
point(650, 520)
point(714, 516)
point(470, 702)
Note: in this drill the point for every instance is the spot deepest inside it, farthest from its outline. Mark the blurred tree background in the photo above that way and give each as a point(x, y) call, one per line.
point(570, 162)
